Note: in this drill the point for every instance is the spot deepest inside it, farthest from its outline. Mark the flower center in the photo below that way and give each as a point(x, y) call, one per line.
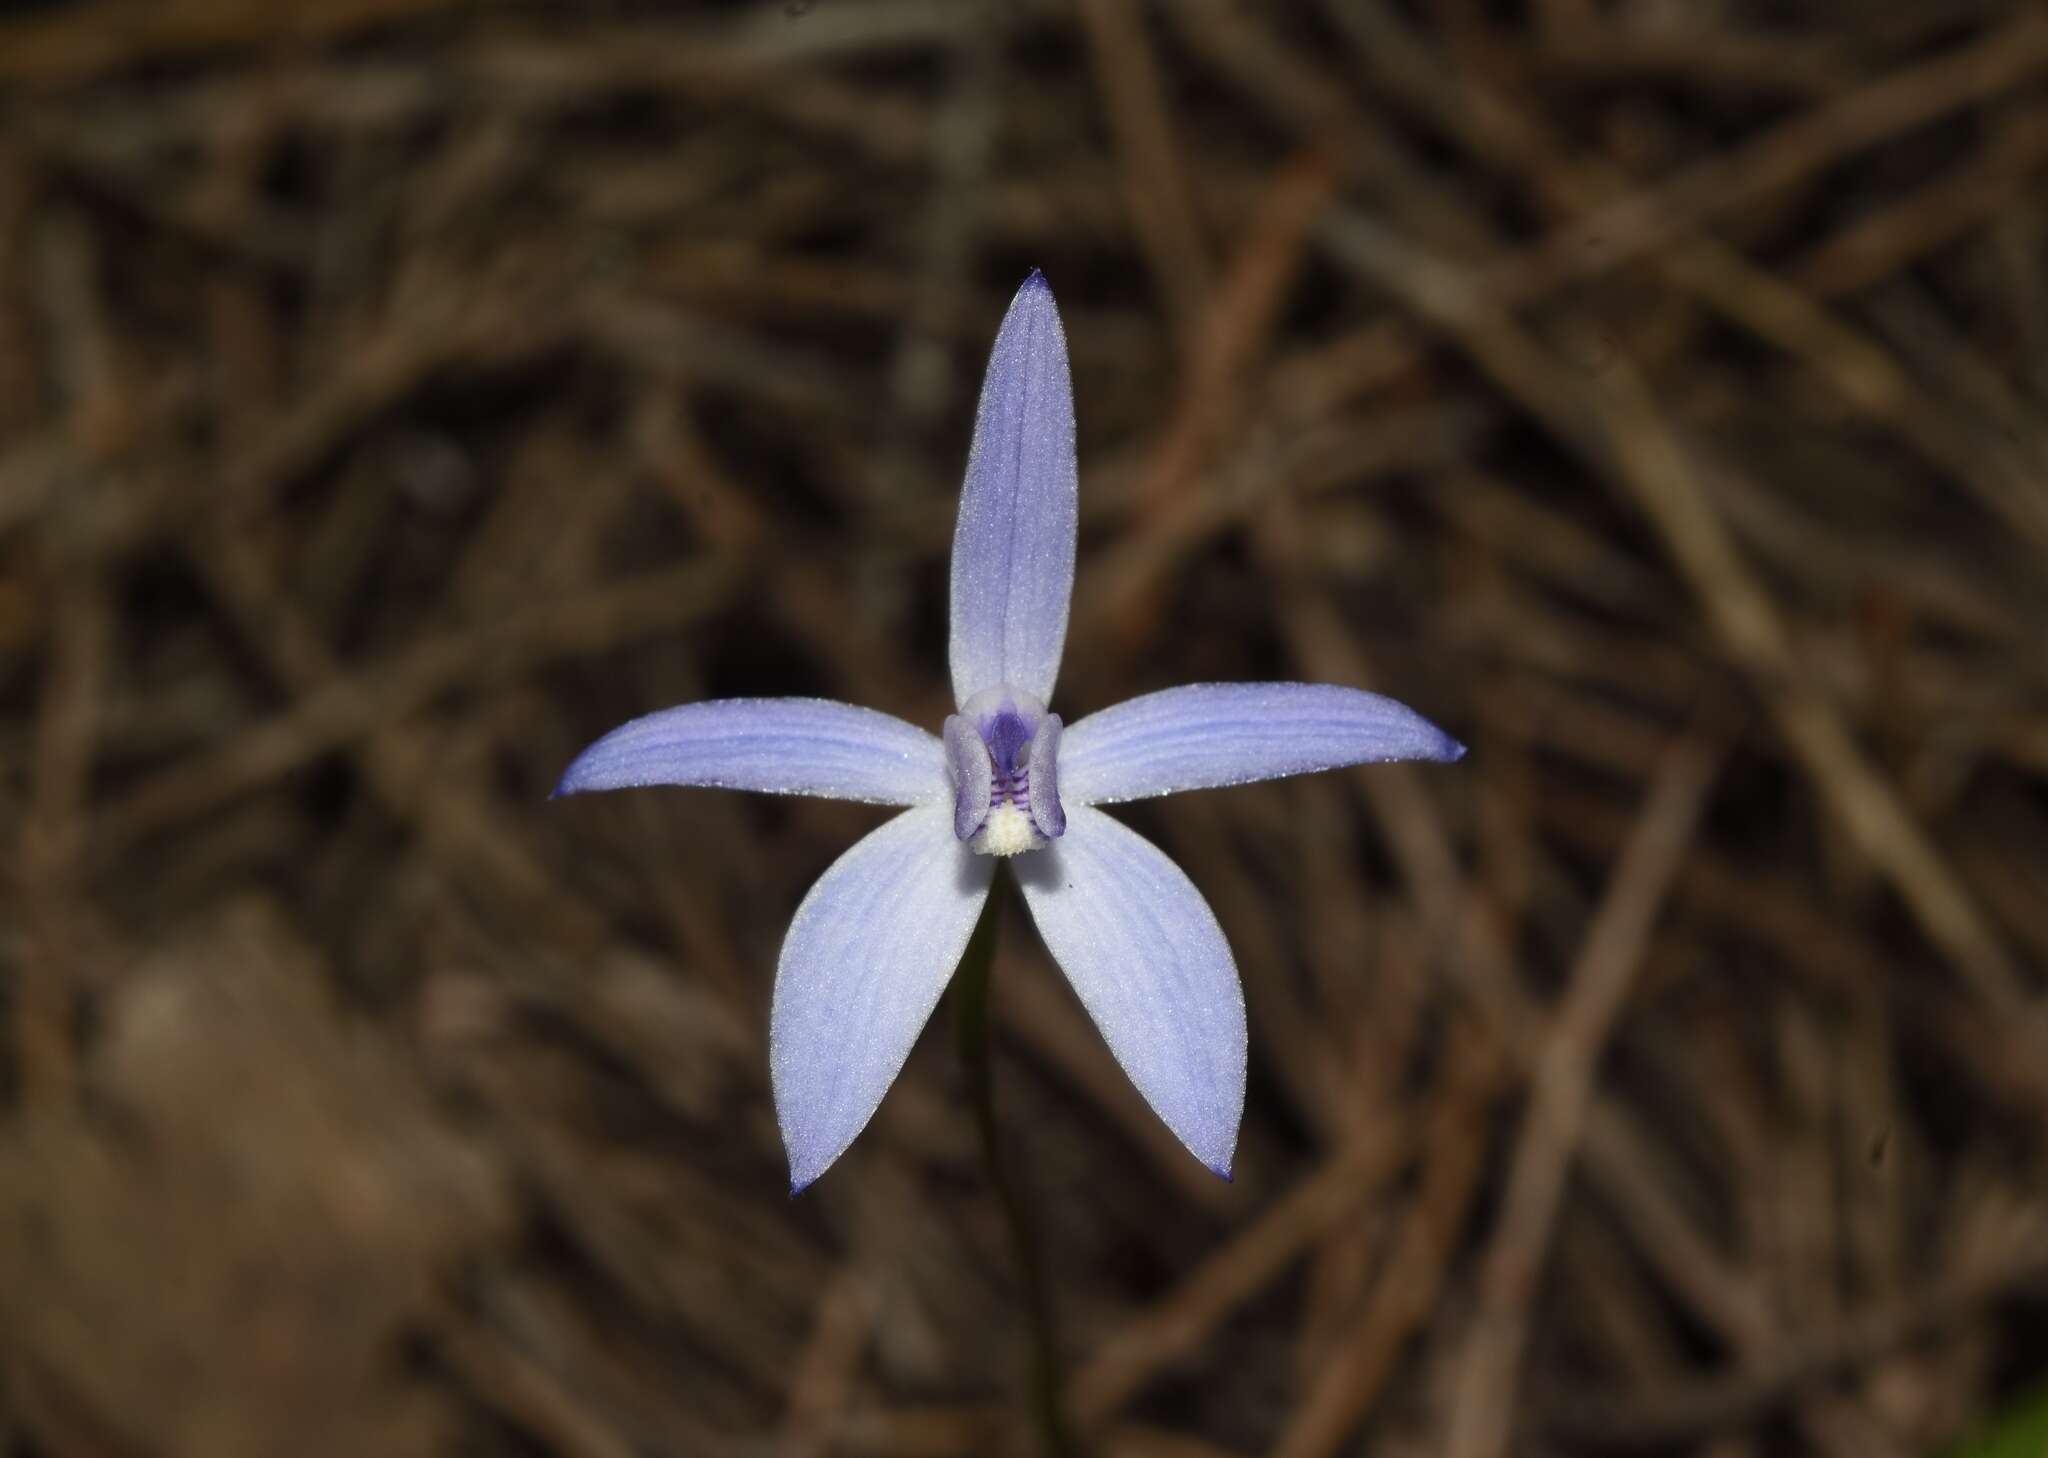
point(1002, 751)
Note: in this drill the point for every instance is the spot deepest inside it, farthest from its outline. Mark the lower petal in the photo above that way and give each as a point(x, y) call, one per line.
point(1150, 964)
point(867, 955)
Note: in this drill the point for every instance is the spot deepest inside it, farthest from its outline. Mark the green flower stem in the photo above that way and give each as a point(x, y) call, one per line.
point(971, 1023)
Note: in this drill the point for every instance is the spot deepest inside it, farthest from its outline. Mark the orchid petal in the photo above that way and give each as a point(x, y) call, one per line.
point(868, 953)
point(1144, 953)
point(1013, 546)
point(1203, 735)
point(781, 746)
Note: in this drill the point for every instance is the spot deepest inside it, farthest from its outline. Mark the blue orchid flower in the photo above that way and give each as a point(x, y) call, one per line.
point(875, 941)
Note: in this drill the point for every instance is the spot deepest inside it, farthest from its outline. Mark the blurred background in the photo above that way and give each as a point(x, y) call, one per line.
point(396, 394)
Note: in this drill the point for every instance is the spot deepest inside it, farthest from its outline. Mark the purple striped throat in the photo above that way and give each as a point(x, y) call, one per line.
point(1002, 752)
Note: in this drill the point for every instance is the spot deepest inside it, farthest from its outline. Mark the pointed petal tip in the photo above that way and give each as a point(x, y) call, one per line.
point(1451, 751)
point(1034, 298)
point(797, 1186)
point(1222, 1172)
point(570, 780)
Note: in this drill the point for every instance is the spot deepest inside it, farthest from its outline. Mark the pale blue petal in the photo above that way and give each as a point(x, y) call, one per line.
point(1209, 734)
point(781, 746)
point(1013, 547)
point(867, 955)
point(1144, 952)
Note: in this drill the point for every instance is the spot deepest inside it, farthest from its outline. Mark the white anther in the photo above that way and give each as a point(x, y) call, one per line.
point(1008, 831)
